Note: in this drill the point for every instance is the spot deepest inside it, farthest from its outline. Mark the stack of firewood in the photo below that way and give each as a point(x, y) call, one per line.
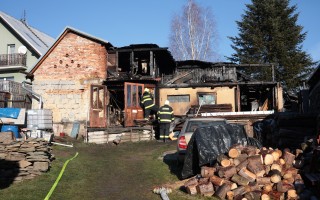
point(246, 172)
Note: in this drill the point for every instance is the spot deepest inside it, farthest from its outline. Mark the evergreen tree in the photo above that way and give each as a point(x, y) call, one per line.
point(269, 34)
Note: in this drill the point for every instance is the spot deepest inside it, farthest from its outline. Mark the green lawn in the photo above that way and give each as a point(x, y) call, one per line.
point(127, 171)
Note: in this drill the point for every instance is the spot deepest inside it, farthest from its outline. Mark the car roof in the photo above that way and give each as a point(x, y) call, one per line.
point(206, 119)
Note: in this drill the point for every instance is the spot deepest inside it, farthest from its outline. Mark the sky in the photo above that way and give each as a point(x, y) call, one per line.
point(125, 22)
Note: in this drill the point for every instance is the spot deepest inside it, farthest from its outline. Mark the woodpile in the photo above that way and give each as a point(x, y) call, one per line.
point(20, 160)
point(246, 172)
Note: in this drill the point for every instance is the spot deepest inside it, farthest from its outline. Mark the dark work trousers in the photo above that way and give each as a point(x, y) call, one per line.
point(164, 131)
point(150, 111)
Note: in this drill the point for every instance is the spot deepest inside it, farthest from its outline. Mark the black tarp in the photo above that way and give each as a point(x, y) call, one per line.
point(208, 142)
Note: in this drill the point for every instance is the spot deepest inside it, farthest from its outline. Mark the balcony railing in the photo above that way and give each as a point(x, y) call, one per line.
point(13, 60)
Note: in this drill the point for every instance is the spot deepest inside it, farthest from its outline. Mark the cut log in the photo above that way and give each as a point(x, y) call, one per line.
point(267, 168)
point(192, 189)
point(284, 187)
point(234, 152)
point(203, 180)
point(205, 189)
point(191, 181)
point(281, 161)
point(223, 159)
point(233, 186)
point(227, 172)
point(230, 195)
point(253, 195)
point(276, 166)
point(255, 165)
point(241, 165)
point(263, 180)
point(265, 197)
point(276, 195)
point(249, 150)
point(244, 172)
point(242, 157)
point(275, 178)
point(268, 159)
point(255, 159)
point(222, 191)
point(292, 194)
point(287, 175)
point(268, 187)
point(288, 180)
point(217, 181)
point(288, 158)
point(290, 171)
point(239, 179)
point(253, 186)
point(207, 172)
point(276, 154)
point(241, 190)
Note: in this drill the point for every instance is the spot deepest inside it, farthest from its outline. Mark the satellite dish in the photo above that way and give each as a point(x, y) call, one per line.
point(22, 49)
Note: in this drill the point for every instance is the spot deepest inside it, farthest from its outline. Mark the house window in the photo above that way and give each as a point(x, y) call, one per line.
point(178, 98)
point(11, 48)
point(207, 98)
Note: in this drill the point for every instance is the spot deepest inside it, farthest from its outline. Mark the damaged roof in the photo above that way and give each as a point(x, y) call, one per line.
point(39, 41)
point(200, 64)
point(163, 52)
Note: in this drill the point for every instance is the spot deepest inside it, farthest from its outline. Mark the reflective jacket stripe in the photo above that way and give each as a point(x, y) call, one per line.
point(149, 106)
point(165, 120)
point(168, 113)
point(164, 136)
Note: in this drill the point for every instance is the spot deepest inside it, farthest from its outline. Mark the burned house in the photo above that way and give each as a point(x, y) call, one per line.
point(220, 90)
point(130, 70)
point(219, 85)
point(87, 80)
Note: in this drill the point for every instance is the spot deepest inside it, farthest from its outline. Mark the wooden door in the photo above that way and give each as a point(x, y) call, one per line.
point(132, 109)
point(98, 117)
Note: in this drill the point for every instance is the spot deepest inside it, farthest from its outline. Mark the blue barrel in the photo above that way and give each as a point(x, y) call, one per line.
point(12, 128)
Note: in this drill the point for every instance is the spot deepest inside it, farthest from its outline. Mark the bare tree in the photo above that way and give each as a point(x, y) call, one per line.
point(193, 34)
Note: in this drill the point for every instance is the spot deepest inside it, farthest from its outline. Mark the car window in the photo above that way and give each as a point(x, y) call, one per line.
point(193, 125)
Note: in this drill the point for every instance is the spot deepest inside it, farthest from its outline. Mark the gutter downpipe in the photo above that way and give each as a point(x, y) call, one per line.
point(35, 95)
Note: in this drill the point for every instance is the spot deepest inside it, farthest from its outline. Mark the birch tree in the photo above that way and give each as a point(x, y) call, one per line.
point(193, 34)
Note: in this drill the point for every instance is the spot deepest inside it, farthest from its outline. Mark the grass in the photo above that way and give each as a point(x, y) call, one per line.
point(126, 171)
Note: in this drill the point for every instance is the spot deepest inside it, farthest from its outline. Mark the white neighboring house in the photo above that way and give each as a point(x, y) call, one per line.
point(20, 47)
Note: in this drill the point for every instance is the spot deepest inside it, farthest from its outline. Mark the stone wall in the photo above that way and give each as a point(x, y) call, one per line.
point(20, 160)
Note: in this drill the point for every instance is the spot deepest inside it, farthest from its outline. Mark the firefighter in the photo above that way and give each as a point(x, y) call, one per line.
point(147, 104)
point(165, 117)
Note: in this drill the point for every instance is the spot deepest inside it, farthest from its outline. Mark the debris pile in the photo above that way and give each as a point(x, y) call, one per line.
point(251, 173)
point(20, 160)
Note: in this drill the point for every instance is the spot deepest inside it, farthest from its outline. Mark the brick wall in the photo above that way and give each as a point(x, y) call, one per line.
point(63, 79)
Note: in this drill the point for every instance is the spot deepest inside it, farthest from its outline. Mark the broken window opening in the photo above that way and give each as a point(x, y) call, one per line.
point(207, 98)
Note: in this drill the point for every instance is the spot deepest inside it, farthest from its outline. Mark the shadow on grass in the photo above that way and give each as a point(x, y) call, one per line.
point(170, 158)
point(9, 171)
